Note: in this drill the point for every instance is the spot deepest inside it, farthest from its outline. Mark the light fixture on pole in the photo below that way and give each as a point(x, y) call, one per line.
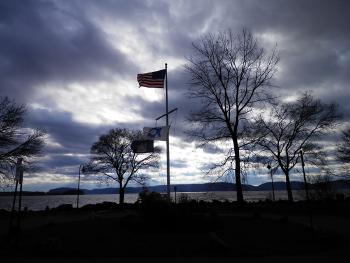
point(303, 167)
point(273, 188)
point(81, 167)
point(19, 180)
point(307, 190)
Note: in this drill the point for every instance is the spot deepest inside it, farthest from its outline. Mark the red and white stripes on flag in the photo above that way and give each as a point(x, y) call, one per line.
point(152, 79)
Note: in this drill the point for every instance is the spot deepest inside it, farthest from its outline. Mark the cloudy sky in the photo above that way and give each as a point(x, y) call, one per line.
point(74, 64)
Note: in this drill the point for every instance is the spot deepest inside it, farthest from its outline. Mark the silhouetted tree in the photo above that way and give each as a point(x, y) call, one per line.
point(112, 157)
point(321, 186)
point(291, 127)
point(343, 151)
point(229, 73)
point(15, 140)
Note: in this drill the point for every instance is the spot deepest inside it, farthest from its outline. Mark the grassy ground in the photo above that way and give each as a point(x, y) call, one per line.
point(221, 231)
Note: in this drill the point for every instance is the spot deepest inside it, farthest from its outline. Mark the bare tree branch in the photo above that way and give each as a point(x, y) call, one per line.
point(15, 141)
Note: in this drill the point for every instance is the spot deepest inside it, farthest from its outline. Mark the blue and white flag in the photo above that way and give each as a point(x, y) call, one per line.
point(156, 133)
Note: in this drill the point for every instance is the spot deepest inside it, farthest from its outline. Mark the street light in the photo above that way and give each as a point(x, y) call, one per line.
point(19, 180)
point(303, 167)
point(81, 167)
point(301, 152)
point(273, 188)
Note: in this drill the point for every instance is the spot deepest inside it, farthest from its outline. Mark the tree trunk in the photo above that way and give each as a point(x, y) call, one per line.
point(121, 194)
point(289, 187)
point(238, 171)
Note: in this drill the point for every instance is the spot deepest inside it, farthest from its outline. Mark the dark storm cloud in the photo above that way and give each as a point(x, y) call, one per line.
point(207, 166)
point(74, 139)
point(179, 164)
point(179, 21)
point(42, 42)
point(72, 136)
point(57, 164)
point(56, 161)
point(177, 25)
point(313, 40)
point(149, 110)
point(211, 148)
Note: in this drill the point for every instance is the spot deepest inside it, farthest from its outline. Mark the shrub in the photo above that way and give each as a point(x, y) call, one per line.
point(183, 198)
point(147, 197)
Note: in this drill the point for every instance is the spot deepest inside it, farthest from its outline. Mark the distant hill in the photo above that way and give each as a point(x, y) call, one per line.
point(207, 187)
point(279, 186)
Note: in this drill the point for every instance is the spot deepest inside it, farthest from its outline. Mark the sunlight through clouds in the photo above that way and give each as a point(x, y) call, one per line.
point(95, 104)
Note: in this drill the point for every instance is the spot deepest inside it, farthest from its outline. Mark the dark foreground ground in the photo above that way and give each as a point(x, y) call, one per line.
point(203, 232)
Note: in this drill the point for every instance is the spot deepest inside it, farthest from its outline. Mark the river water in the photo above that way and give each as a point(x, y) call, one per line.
point(36, 203)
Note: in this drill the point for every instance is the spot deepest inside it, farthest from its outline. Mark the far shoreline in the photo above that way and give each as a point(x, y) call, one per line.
point(47, 202)
point(335, 185)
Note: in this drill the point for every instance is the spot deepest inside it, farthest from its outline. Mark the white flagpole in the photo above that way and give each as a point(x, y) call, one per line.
point(167, 141)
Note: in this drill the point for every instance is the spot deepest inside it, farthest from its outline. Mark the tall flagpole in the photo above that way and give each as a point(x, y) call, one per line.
point(167, 124)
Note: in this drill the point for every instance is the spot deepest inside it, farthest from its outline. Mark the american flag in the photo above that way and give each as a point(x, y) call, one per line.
point(152, 79)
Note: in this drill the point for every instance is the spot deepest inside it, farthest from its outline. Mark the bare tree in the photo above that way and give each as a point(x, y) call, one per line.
point(292, 127)
point(321, 185)
point(229, 73)
point(15, 140)
point(343, 151)
point(112, 157)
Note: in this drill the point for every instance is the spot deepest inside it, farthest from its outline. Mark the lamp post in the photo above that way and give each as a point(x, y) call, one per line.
point(78, 192)
point(19, 180)
point(273, 188)
point(307, 191)
point(303, 167)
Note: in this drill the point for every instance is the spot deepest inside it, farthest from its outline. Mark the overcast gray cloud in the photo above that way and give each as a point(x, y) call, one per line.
point(43, 43)
point(74, 63)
